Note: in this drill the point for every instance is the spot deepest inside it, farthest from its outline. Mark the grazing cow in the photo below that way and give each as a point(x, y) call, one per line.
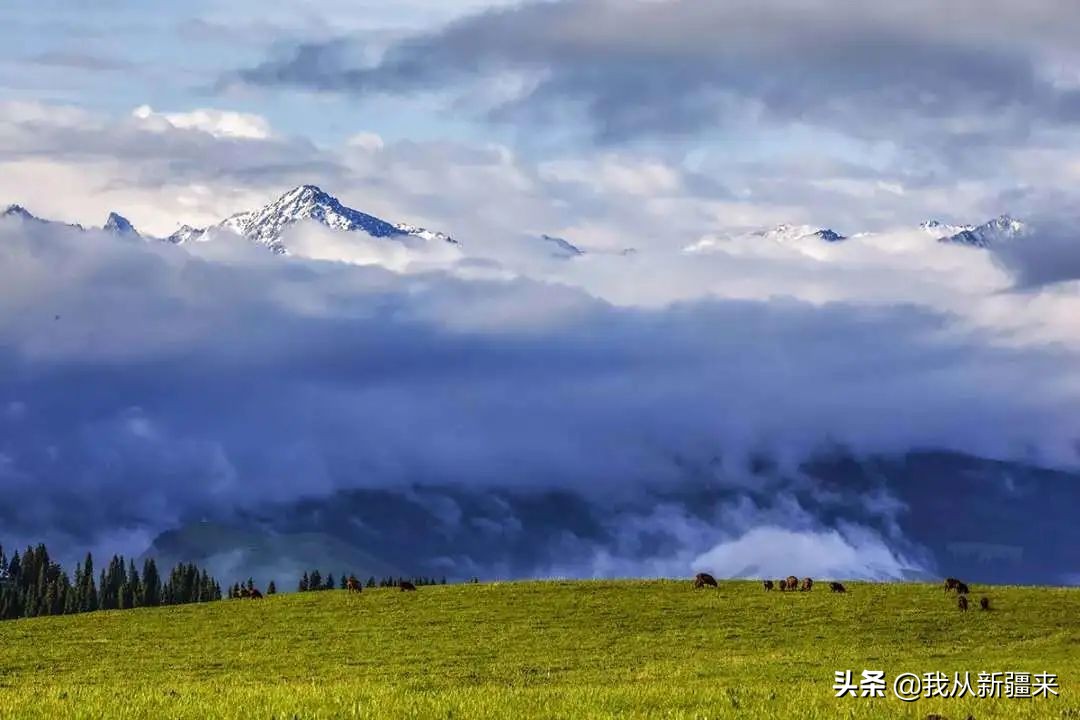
point(792, 582)
point(768, 585)
point(985, 603)
point(703, 579)
point(951, 584)
point(962, 603)
point(353, 585)
point(962, 589)
point(406, 585)
point(254, 594)
point(782, 584)
point(837, 587)
point(807, 585)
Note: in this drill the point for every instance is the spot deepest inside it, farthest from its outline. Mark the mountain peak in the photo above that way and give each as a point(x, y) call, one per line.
point(266, 225)
point(789, 233)
point(184, 234)
point(18, 211)
point(561, 247)
point(1001, 228)
point(829, 235)
point(120, 225)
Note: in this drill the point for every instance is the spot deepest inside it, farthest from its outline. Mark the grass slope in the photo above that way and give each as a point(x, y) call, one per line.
point(532, 650)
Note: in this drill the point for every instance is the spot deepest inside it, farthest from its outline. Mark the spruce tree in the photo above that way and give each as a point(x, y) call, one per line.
point(151, 584)
point(89, 590)
point(134, 586)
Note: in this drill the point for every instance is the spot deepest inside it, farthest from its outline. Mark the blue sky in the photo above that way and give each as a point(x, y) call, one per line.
point(766, 112)
point(114, 56)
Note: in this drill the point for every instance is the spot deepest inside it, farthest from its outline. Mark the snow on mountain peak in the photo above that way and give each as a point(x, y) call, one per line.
point(937, 229)
point(266, 225)
point(1002, 228)
point(185, 234)
point(790, 233)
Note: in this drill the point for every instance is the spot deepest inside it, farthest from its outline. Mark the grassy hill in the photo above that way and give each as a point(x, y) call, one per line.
point(545, 649)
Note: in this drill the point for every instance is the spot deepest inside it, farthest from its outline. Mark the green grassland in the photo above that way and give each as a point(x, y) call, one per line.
point(538, 650)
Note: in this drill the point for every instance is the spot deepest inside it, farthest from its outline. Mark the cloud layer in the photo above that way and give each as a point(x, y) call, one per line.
point(956, 73)
point(148, 385)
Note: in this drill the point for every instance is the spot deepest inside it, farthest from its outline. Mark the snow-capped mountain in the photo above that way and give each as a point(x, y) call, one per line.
point(18, 212)
point(937, 229)
point(783, 234)
point(120, 225)
point(185, 234)
point(988, 234)
point(267, 225)
point(793, 233)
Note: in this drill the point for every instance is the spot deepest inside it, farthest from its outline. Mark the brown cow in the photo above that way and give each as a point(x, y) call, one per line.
point(985, 603)
point(406, 585)
point(807, 585)
point(703, 579)
point(962, 588)
point(792, 582)
point(837, 587)
point(353, 585)
point(782, 584)
point(962, 603)
point(951, 584)
point(768, 584)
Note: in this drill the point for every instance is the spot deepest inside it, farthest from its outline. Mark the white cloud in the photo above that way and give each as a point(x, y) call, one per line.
point(772, 552)
point(219, 123)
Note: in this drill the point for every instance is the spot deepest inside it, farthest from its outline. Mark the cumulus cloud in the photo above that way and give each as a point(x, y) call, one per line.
point(220, 123)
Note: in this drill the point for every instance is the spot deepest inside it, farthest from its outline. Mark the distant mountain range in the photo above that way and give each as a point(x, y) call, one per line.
point(267, 226)
point(989, 234)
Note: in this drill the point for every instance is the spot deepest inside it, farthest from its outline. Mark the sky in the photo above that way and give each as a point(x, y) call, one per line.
point(145, 385)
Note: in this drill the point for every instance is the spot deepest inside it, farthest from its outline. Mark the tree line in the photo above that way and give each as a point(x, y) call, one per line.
point(314, 580)
point(33, 584)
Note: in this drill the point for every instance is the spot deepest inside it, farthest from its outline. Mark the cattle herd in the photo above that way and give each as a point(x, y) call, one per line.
point(701, 580)
point(792, 584)
point(246, 593)
point(962, 590)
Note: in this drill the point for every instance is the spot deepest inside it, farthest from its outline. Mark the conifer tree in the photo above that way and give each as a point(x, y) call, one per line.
point(151, 584)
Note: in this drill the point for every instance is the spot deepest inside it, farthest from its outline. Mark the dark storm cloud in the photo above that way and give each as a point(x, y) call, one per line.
point(1047, 254)
point(142, 386)
point(963, 72)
